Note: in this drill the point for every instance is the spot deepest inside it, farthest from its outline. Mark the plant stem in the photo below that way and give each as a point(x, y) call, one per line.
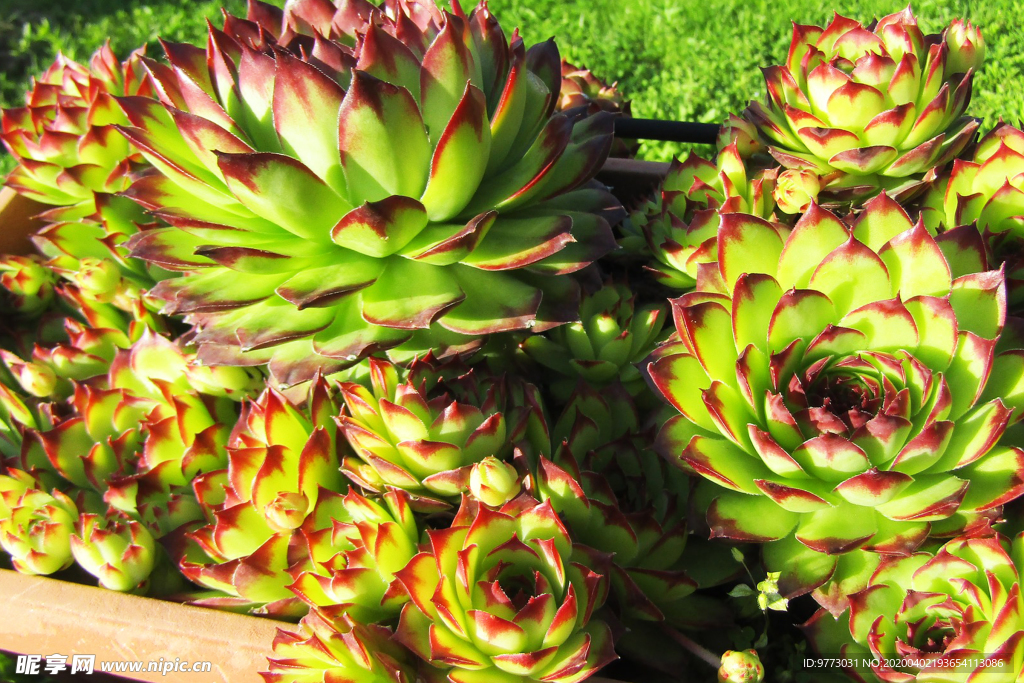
point(691, 645)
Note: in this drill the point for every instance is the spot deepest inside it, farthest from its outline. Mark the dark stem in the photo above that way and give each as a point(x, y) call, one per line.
point(694, 647)
point(669, 131)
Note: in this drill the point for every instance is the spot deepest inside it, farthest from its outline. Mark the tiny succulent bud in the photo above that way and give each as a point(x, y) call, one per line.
point(966, 47)
point(743, 133)
point(796, 189)
point(741, 667)
point(118, 551)
point(494, 482)
point(287, 511)
point(98, 279)
point(35, 378)
point(26, 285)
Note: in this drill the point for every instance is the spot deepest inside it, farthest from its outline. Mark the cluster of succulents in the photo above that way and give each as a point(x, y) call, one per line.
point(330, 321)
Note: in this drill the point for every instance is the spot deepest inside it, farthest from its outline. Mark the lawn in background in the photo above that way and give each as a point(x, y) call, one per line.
point(692, 60)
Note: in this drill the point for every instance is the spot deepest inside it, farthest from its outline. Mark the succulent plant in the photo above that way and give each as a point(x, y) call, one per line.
point(142, 413)
point(869, 108)
point(26, 286)
point(987, 191)
point(646, 576)
point(35, 526)
point(91, 253)
point(954, 615)
point(497, 598)
point(582, 88)
point(118, 551)
point(841, 386)
point(322, 653)
point(282, 466)
point(376, 539)
point(414, 169)
point(423, 435)
point(65, 139)
point(601, 431)
point(675, 229)
point(613, 334)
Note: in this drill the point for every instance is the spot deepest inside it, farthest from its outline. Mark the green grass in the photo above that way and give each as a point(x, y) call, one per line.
point(694, 60)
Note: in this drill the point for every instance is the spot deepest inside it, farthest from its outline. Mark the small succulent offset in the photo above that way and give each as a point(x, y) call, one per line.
point(282, 465)
point(117, 550)
point(35, 526)
point(870, 108)
point(424, 435)
point(987, 191)
point(326, 652)
point(26, 286)
point(675, 230)
point(613, 334)
point(433, 195)
point(954, 615)
point(355, 558)
point(843, 388)
point(497, 599)
point(582, 88)
point(65, 139)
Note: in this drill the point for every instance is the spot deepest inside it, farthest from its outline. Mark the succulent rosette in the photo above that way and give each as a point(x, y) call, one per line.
point(422, 435)
point(321, 652)
point(65, 139)
point(51, 371)
point(675, 229)
point(737, 129)
point(987, 191)
point(644, 570)
point(613, 334)
point(841, 386)
point(869, 108)
point(143, 414)
point(434, 196)
point(582, 88)
point(955, 615)
point(378, 538)
point(72, 157)
point(26, 286)
point(35, 526)
point(282, 464)
point(497, 599)
point(118, 551)
point(91, 255)
point(600, 431)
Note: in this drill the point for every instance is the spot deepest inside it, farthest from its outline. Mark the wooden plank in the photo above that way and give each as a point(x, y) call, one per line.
point(16, 222)
point(44, 616)
point(631, 179)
